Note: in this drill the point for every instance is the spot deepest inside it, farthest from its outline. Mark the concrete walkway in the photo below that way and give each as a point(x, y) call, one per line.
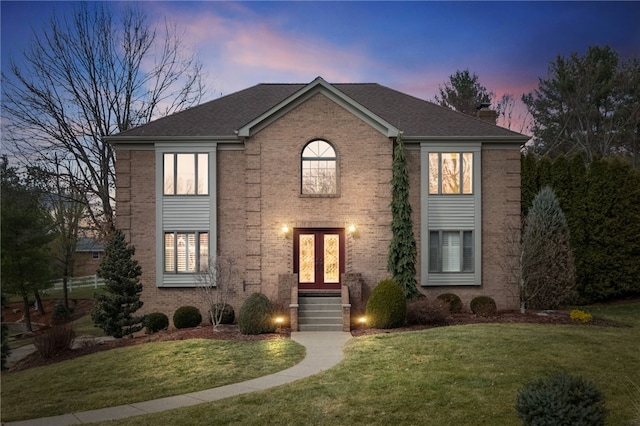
point(324, 350)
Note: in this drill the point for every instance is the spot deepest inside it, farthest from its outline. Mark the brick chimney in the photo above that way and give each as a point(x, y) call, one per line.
point(485, 113)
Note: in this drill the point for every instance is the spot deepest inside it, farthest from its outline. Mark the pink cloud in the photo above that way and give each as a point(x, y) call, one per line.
point(239, 49)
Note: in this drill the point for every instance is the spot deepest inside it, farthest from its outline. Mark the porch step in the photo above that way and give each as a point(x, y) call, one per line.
point(319, 313)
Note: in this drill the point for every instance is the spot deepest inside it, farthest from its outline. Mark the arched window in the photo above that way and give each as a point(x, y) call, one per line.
point(319, 170)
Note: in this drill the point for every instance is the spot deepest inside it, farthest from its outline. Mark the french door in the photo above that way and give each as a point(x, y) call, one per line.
point(318, 257)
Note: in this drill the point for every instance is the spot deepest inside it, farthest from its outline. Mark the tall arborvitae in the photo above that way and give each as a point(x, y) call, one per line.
point(114, 310)
point(403, 253)
point(610, 265)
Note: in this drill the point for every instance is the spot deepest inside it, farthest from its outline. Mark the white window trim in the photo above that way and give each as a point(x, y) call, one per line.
point(186, 221)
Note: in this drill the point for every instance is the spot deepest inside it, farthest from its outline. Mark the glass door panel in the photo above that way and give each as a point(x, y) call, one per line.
point(307, 258)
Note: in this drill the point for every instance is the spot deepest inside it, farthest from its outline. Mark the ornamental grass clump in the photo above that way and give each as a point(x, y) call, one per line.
point(579, 315)
point(55, 341)
point(561, 399)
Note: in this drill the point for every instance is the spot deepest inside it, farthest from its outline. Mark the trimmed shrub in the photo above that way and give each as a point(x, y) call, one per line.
point(257, 315)
point(561, 399)
point(427, 312)
point(61, 313)
point(483, 305)
point(187, 317)
point(55, 340)
point(222, 313)
point(156, 321)
point(581, 316)
point(387, 306)
point(453, 301)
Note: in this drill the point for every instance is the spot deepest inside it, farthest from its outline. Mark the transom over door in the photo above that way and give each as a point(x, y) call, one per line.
point(318, 257)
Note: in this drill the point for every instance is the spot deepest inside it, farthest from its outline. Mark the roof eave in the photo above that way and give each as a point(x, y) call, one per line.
point(493, 139)
point(152, 139)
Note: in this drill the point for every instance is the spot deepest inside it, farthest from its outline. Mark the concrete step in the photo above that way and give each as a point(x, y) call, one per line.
point(321, 320)
point(320, 300)
point(319, 313)
point(320, 327)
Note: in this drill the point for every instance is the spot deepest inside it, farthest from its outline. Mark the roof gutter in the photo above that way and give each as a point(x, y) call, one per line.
point(522, 139)
point(152, 139)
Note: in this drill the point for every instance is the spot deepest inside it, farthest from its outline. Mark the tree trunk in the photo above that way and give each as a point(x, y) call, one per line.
point(65, 291)
point(39, 303)
point(27, 314)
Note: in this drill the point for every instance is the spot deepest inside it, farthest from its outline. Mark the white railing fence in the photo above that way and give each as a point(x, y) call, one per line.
point(79, 282)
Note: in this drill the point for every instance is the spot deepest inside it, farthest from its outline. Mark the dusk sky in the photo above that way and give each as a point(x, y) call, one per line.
point(409, 46)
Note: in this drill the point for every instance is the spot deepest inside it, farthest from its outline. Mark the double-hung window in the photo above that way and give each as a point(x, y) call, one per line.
point(186, 173)
point(451, 173)
point(451, 251)
point(186, 252)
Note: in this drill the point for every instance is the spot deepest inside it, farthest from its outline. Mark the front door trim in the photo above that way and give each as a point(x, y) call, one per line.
point(319, 260)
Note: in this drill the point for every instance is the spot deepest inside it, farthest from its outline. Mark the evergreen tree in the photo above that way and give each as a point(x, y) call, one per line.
point(463, 93)
point(26, 236)
point(548, 272)
point(6, 350)
point(401, 263)
point(114, 310)
point(610, 264)
point(528, 181)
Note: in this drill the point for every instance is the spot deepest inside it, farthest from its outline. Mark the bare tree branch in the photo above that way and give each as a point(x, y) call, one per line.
point(87, 76)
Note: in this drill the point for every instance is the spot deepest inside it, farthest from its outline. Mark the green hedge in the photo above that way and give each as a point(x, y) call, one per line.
point(602, 205)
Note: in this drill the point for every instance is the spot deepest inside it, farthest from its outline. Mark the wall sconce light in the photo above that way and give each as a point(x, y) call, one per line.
point(352, 230)
point(286, 231)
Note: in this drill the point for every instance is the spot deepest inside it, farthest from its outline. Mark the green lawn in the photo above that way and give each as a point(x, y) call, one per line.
point(465, 375)
point(462, 375)
point(140, 373)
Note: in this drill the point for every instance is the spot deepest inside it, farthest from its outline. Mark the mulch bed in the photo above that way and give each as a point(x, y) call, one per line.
point(12, 313)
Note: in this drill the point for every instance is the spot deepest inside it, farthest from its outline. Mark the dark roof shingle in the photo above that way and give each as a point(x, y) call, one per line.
point(222, 117)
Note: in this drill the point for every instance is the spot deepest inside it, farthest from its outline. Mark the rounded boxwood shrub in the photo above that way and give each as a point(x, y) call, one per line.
point(453, 301)
point(256, 315)
point(187, 317)
point(156, 321)
point(387, 306)
point(483, 305)
point(224, 312)
point(561, 399)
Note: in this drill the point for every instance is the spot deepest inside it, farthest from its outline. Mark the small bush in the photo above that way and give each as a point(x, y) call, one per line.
point(187, 317)
point(387, 306)
point(222, 313)
point(156, 321)
point(61, 313)
point(483, 305)
point(581, 316)
point(6, 350)
point(55, 340)
point(427, 312)
point(561, 399)
point(453, 301)
point(257, 315)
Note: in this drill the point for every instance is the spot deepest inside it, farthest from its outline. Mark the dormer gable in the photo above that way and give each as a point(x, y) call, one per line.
point(321, 86)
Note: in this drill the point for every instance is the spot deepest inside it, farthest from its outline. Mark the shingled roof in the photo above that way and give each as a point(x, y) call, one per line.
point(223, 117)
